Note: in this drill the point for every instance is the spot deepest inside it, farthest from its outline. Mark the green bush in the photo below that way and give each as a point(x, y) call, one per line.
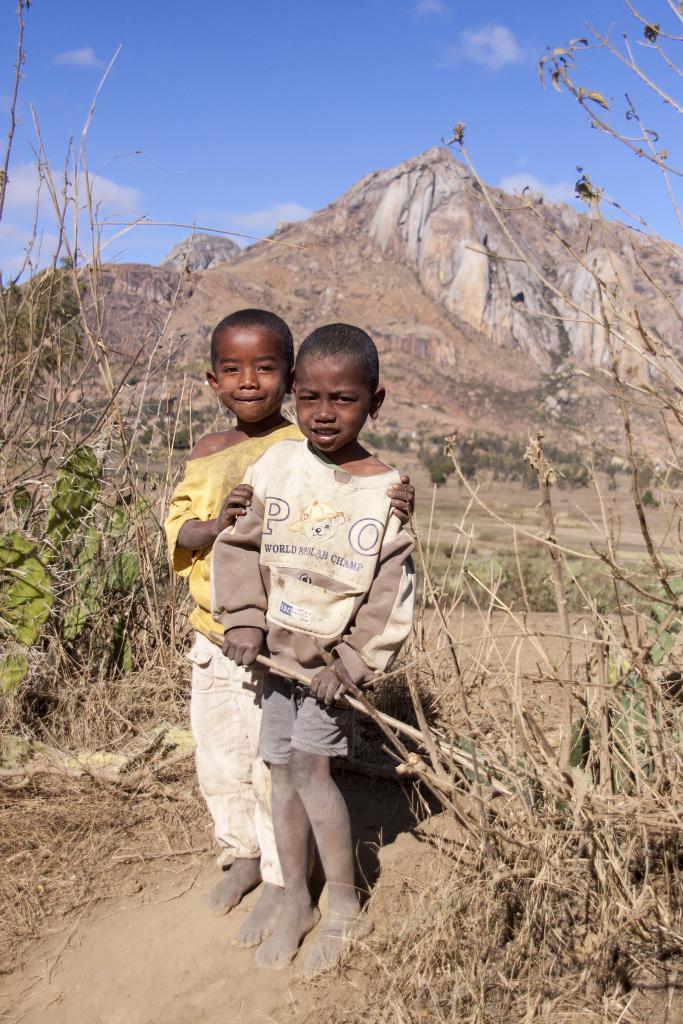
point(72, 579)
point(181, 441)
point(439, 468)
point(391, 440)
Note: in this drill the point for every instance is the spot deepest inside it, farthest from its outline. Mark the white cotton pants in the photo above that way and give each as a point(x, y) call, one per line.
point(225, 714)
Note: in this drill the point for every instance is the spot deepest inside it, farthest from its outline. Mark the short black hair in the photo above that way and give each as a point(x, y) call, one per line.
point(257, 318)
point(344, 340)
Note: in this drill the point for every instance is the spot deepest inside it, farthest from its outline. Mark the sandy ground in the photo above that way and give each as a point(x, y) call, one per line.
point(156, 956)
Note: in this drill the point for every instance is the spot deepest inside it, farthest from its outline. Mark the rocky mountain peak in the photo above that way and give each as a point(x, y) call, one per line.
point(502, 275)
point(202, 252)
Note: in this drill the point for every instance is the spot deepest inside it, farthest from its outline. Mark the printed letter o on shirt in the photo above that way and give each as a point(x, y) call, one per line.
point(365, 536)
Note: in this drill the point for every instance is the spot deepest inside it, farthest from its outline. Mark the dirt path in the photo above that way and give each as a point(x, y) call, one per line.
point(156, 956)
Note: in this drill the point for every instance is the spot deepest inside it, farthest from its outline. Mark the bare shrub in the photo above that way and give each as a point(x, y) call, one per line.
point(91, 625)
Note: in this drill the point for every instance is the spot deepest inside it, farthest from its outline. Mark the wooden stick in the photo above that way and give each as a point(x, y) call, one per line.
point(19, 778)
point(461, 757)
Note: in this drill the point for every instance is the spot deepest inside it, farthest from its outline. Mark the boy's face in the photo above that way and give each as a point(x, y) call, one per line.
point(333, 402)
point(250, 376)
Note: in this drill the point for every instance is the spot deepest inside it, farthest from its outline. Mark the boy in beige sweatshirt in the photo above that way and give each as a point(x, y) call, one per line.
point(324, 573)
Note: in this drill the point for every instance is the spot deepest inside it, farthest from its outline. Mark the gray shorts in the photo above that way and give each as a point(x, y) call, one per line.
point(291, 718)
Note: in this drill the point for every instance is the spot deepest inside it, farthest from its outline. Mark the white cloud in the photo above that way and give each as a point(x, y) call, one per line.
point(493, 46)
point(111, 197)
point(83, 58)
point(22, 187)
point(557, 192)
point(430, 7)
point(265, 220)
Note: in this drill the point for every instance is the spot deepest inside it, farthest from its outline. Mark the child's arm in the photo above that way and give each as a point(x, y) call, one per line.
point(198, 534)
point(382, 623)
point(238, 597)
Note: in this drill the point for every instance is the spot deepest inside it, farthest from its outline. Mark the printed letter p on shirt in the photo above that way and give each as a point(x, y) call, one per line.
point(276, 510)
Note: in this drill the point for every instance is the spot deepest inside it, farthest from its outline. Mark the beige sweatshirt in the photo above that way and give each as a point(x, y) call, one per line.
point(317, 562)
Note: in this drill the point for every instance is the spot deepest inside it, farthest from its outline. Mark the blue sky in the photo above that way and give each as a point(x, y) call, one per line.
point(240, 114)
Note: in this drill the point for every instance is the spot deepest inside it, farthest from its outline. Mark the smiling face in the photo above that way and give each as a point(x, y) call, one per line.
point(332, 404)
point(250, 375)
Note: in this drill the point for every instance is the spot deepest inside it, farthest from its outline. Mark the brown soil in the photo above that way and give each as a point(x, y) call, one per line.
point(152, 953)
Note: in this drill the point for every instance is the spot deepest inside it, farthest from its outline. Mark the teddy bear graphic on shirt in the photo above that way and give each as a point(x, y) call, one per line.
point(318, 521)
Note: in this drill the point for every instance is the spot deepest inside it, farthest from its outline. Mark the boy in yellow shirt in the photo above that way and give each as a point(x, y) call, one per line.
point(252, 358)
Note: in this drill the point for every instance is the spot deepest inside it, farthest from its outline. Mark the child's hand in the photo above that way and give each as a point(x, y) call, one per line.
point(242, 644)
point(329, 684)
point(235, 505)
point(402, 499)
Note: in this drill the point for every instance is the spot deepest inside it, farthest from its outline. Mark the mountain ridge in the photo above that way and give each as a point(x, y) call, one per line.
point(466, 311)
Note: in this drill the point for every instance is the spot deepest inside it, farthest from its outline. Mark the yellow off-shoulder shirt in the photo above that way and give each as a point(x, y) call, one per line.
point(200, 494)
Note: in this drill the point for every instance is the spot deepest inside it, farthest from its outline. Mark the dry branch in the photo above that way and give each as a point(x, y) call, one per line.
point(21, 5)
point(384, 721)
point(142, 779)
point(545, 474)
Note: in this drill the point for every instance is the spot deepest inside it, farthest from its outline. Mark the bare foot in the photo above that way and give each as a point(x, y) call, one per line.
point(336, 933)
point(261, 922)
point(237, 881)
point(296, 920)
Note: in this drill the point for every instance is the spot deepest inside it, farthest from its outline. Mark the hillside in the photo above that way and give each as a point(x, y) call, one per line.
point(472, 336)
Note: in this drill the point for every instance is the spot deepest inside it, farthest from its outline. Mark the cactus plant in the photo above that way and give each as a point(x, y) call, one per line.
point(629, 726)
point(73, 494)
point(118, 521)
point(27, 595)
point(658, 613)
point(630, 734)
point(27, 590)
point(124, 572)
point(78, 573)
point(13, 670)
point(21, 501)
point(74, 621)
point(121, 651)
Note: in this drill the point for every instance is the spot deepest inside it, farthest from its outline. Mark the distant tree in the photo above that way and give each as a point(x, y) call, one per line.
point(181, 441)
point(439, 468)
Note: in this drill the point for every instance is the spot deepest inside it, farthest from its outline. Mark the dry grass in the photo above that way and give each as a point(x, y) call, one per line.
point(545, 936)
point(561, 901)
point(60, 838)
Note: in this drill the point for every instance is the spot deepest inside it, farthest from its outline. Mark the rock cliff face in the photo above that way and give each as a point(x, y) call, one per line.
point(503, 277)
point(201, 252)
point(482, 310)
